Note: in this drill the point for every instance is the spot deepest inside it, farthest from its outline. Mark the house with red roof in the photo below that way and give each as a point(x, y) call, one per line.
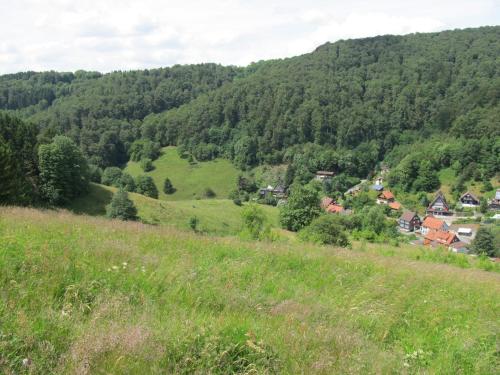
point(433, 224)
point(433, 238)
point(335, 209)
point(385, 197)
point(325, 202)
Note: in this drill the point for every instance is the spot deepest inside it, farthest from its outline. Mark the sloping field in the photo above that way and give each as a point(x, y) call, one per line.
point(189, 180)
point(215, 216)
point(87, 295)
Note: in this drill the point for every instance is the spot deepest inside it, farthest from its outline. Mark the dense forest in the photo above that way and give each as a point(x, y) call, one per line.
point(419, 102)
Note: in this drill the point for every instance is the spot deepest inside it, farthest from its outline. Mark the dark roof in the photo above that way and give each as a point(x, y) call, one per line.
point(408, 216)
point(438, 196)
point(472, 195)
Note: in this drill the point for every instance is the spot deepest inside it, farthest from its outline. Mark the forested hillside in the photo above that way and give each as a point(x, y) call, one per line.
point(344, 107)
point(102, 112)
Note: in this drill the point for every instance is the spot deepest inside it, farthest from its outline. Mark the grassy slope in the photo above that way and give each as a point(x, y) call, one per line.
point(88, 295)
point(219, 216)
point(189, 180)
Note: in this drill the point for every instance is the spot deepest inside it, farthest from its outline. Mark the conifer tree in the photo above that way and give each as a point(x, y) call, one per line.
point(121, 207)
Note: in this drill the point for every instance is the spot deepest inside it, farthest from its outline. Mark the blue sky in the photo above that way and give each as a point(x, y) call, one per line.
point(107, 35)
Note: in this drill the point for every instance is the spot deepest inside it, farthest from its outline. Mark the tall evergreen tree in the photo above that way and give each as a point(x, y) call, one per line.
point(146, 186)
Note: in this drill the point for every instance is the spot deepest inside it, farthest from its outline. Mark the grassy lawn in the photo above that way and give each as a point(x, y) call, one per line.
point(190, 180)
point(216, 216)
point(86, 295)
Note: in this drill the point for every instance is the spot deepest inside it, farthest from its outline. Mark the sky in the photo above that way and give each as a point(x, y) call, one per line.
point(107, 35)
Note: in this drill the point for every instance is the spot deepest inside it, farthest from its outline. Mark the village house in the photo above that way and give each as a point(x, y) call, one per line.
point(385, 197)
point(494, 204)
point(325, 202)
point(377, 187)
point(396, 206)
point(409, 221)
point(469, 200)
point(277, 192)
point(432, 224)
point(439, 237)
point(335, 209)
point(439, 206)
point(324, 175)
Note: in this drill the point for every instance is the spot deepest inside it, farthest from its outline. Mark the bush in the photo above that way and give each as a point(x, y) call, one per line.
point(121, 207)
point(326, 229)
point(237, 201)
point(168, 188)
point(146, 186)
point(95, 173)
point(209, 193)
point(193, 223)
point(484, 243)
point(147, 165)
point(254, 221)
point(111, 176)
point(301, 208)
point(127, 182)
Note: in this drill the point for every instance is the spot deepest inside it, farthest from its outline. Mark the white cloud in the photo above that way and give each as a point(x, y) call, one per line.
point(128, 34)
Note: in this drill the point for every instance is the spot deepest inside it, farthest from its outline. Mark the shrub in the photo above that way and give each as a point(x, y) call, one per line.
point(209, 193)
point(326, 229)
point(121, 207)
point(237, 201)
point(168, 188)
point(147, 165)
point(146, 186)
point(127, 182)
point(193, 223)
point(111, 176)
point(301, 208)
point(254, 220)
point(484, 243)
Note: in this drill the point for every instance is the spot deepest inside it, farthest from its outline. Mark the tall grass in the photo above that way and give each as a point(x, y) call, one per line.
point(91, 296)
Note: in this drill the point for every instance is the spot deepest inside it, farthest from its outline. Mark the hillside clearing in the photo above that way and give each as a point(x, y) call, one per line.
point(89, 295)
point(189, 180)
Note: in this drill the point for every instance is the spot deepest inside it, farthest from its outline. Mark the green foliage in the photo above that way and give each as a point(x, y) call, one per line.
point(146, 186)
point(147, 165)
point(121, 207)
point(112, 176)
point(64, 172)
point(209, 193)
point(18, 161)
point(95, 173)
point(126, 182)
point(193, 223)
point(168, 188)
point(326, 229)
point(483, 206)
point(300, 209)
point(484, 243)
point(144, 149)
point(254, 220)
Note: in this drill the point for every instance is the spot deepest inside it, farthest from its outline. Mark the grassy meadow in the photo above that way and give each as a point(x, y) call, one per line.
point(189, 180)
point(215, 216)
point(86, 295)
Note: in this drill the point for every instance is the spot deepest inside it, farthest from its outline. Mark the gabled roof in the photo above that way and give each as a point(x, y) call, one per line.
point(469, 193)
point(408, 216)
point(335, 208)
point(395, 205)
point(386, 194)
point(326, 201)
point(442, 237)
point(432, 223)
point(441, 197)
